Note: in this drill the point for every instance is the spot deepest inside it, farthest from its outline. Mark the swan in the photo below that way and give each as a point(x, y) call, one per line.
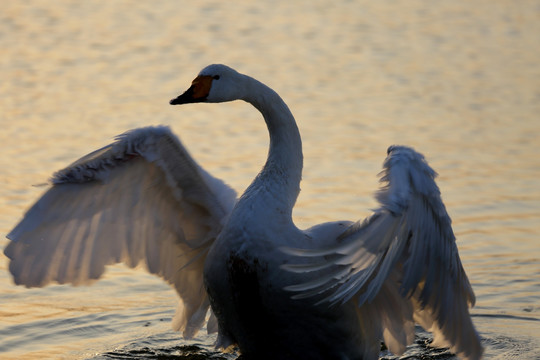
point(240, 265)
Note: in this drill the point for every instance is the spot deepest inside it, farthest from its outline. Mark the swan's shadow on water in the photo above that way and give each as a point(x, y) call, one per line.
point(149, 350)
point(181, 352)
point(420, 350)
point(165, 346)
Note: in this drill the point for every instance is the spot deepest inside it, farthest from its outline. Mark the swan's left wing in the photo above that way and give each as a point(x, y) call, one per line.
point(141, 200)
point(410, 234)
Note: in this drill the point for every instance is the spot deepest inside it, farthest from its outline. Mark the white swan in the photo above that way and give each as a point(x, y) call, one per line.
point(143, 199)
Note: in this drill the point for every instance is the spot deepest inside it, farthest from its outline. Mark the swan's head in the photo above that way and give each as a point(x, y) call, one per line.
point(215, 83)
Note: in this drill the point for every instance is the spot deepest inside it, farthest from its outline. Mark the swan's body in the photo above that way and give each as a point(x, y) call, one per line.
point(144, 199)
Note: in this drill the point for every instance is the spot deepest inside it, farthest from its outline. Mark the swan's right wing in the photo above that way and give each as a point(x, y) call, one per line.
point(409, 235)
point(141, 200)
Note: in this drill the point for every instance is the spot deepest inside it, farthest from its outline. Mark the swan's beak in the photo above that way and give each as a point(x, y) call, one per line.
point(197, 92)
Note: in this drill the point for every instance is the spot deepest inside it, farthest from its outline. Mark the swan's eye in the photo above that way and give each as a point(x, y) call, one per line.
point(216, 77)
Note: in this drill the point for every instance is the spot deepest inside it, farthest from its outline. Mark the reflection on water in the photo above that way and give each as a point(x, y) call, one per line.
point(459, 81)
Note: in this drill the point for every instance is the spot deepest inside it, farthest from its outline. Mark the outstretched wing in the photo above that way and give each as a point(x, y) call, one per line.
point(410, 234)
point(140, 200)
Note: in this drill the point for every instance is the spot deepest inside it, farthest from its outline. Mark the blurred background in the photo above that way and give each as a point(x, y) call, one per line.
point(457, 80)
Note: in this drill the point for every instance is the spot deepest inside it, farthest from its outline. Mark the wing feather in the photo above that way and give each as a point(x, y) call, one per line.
point(141, 200)
point(411, 234)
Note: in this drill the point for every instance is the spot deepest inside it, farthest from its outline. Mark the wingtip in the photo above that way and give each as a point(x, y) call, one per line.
point(403, 149)
point(12, 235)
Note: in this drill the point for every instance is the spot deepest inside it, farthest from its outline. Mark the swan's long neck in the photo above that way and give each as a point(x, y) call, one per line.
point(279, 180)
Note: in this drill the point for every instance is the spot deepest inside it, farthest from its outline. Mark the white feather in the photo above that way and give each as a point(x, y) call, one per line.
point(141, 200)
point(410, 233)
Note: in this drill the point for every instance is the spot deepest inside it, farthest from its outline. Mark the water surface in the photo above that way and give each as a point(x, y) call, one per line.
point(457, 80)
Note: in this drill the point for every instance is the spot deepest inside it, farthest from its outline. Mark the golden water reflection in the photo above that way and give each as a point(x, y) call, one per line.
point(459, 80)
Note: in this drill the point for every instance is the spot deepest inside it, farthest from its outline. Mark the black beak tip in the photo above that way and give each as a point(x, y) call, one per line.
point(181, 99)
point(186, 98)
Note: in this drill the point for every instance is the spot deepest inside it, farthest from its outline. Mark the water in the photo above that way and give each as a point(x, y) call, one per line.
point(458, 80)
